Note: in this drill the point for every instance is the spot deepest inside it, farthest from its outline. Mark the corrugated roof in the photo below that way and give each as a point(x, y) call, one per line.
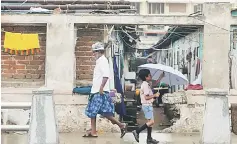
point(175, 34)
point(67, 6)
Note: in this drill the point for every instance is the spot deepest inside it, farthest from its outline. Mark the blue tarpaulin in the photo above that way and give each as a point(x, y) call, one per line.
point(121, 107)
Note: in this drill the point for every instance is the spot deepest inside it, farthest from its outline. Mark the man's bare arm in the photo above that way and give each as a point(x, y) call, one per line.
point(104, 80)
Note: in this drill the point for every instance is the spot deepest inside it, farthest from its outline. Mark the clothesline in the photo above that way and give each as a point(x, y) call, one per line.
point(2, 30)
point(120, 37)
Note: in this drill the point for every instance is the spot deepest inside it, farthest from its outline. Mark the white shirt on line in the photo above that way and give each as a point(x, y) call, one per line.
point(101, 70)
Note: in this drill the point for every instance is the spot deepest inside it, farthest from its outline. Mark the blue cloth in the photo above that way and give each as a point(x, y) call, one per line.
point(82, 90)
point(100, 104)
point(148, 111)
point(118, 87)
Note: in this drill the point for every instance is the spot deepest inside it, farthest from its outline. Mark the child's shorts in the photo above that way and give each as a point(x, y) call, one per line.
point(148, 111)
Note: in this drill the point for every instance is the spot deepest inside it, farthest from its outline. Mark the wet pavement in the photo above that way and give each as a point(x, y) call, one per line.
point(161, 121)
point(114, 138)
point(76, 138)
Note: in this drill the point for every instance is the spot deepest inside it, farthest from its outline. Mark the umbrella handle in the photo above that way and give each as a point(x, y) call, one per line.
point(159, 87)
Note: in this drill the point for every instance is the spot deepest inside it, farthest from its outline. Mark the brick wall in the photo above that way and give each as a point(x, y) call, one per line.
point(84, 59)
point(18, 67)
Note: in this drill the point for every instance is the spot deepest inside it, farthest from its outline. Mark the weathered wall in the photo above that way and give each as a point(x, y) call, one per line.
point(191, 117)
point(69, 110)
point(84, 59)
point(72, 118)
point(192, 113)
point(32, 68)
point(21, 67)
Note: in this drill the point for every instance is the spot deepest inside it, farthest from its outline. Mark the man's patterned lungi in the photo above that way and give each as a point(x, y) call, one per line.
point(100, 104)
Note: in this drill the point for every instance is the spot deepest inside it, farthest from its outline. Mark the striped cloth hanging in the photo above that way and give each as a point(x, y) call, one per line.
point(23, 44)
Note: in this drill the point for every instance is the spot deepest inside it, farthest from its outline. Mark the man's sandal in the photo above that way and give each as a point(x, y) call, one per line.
point(89, 135)
point(123, 131)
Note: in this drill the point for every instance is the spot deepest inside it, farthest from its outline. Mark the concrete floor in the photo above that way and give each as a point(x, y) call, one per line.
point(76, 138)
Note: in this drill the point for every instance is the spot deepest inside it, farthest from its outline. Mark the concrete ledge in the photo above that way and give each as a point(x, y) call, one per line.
point(10, 90)
point(195, 96)
point(59, 99)
point(25, 95)
point(195, 92)
point(202, 99)
point(199, 96)
point(22, 83)
point(64, 98)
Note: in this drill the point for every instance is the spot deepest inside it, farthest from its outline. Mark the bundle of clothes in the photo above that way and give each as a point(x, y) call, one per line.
point(86, 90)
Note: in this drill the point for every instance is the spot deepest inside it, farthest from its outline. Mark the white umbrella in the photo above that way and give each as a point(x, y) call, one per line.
point(172, 76)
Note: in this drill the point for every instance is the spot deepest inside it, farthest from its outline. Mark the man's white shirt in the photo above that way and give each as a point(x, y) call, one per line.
point(101, 70)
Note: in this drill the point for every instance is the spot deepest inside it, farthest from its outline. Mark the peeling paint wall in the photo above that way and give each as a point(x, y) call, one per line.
point(191, 117)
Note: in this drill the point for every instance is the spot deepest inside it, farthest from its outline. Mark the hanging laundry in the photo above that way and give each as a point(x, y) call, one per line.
point(198, 67)
point(121, 64)
point(121, 109)
point(21, 43)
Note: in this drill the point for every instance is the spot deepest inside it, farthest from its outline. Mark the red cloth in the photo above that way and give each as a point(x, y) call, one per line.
point(194, 87)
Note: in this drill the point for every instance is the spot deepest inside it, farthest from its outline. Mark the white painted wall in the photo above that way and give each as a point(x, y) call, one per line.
point(144, 5)
point(190, 42)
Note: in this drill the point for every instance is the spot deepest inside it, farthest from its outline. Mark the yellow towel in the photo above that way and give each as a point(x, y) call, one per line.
point(18, 41)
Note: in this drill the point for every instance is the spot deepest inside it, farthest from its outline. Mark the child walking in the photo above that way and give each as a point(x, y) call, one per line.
point(147, 98)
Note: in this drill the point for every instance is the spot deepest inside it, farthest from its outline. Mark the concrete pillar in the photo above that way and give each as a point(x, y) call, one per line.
point(190, 8)
point(60, 57)
point(216, 46)
point(143, 7)
point(43, 128)
point(216, 124)
point(166, 8)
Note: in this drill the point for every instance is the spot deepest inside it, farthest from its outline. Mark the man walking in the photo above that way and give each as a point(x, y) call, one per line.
point(99, 101)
